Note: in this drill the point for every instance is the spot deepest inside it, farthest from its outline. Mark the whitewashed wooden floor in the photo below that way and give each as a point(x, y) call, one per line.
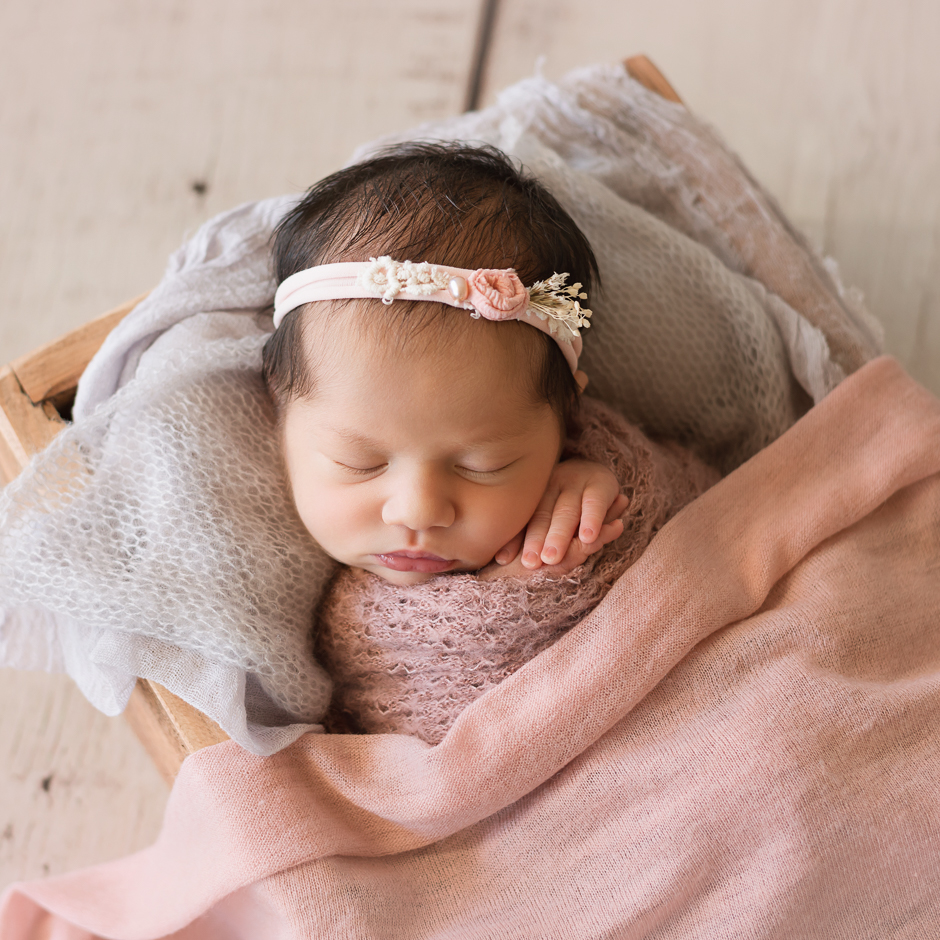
point(125, 123)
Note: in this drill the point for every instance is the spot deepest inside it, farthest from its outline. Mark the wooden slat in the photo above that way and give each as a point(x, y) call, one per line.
point(55, 368)
point(640, 68)
point(195, 730)
point(168, 727)
point(155, 730)
point(12, 455)
point(25, 428)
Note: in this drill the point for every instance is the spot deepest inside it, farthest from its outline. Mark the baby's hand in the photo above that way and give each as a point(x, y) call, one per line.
point(580, 510)
point(578, 514)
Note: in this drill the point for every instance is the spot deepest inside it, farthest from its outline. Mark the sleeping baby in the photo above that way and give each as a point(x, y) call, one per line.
point(435, 433)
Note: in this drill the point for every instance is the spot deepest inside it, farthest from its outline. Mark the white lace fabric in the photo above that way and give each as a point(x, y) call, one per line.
point(156, 536)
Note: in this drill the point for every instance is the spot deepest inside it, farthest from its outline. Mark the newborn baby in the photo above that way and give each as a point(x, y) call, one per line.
point(425, 445)
point(410, 659)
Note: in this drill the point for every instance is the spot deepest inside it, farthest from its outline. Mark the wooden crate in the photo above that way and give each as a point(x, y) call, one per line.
point(36, 395)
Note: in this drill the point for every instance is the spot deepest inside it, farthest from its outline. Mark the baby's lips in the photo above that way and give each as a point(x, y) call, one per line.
point(423, 562)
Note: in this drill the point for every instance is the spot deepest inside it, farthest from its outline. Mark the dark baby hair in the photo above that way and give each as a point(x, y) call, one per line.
point(445, 203)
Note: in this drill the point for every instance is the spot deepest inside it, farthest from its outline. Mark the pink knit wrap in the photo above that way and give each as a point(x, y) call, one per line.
point(409, 660)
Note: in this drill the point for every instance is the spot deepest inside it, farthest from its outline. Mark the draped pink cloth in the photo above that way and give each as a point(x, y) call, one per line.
point(740, 741)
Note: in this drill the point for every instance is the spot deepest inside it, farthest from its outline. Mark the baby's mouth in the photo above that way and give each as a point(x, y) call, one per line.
point(415, 561)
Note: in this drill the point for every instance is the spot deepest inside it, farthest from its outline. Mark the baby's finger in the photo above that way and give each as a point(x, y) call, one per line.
point(509, 550)
point(617, 508)
point(595, 505)
point(578, 553)
point(608, 532)
point(565, 518)
point(537, 529)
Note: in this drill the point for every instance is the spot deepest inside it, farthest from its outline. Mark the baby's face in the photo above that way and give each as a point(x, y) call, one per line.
point(410, 465)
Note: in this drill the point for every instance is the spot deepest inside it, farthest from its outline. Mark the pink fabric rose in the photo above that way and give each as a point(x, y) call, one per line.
point(497, 294)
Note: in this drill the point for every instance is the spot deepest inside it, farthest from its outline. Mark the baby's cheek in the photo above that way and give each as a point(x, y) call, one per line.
point(323, 515)
point(507, 517)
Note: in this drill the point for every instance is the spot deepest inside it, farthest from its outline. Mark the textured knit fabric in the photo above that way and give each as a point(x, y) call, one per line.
point(739, 742)
point(409, 660)
point(156, 537)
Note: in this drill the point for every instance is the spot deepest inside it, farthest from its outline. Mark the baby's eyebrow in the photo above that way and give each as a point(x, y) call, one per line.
point(349, 436)
point(354, 438)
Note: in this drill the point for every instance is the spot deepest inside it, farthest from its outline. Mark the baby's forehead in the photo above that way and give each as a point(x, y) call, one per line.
point(422, 362)
point(418, 337)
point(449, 396)
point(408, 430)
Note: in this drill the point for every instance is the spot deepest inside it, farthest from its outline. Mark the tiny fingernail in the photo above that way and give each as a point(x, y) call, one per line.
point(530, 559)
point(587, 535)
point(549, 554)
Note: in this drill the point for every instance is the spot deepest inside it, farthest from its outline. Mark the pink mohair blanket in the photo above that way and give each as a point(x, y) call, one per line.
point(739, 741)
point(410, 660)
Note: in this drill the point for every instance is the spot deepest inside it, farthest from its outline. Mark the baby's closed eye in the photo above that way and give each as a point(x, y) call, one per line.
point(359, 470)
point(482, 471)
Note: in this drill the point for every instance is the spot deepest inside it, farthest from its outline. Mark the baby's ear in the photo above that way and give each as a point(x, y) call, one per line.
point(582, 380)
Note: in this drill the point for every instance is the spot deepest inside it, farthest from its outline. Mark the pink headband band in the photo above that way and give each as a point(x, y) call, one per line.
point(495, 294)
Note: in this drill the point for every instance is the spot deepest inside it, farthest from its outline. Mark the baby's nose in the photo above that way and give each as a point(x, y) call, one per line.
point(419, 501)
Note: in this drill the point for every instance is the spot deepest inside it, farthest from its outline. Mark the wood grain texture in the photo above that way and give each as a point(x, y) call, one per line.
point(194, 729)
point(831, 103)
point(25, 428)
point(156, 730)
point(57, 366)
point(125, 123)
point(75, 786)
point(13, 456)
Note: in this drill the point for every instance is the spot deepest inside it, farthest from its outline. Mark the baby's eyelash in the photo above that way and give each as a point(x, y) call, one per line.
point(482, 473)
point(360, 471)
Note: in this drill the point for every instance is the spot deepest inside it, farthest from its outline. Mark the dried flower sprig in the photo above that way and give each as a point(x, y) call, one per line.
point(554, 301)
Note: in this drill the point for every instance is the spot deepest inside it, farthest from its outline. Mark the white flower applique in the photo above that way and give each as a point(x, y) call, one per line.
point(389, 278)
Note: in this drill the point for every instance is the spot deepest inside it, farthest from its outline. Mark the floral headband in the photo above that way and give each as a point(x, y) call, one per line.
point(495, 294)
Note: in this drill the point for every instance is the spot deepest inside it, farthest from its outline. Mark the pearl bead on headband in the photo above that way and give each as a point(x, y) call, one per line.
point(494, 294)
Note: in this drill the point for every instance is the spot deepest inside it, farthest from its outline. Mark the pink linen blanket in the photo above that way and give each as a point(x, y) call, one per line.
point(740, 741)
